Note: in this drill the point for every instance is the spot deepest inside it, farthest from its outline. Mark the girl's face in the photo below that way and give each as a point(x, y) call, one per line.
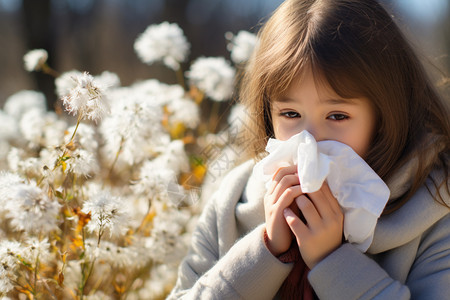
point(319, 110)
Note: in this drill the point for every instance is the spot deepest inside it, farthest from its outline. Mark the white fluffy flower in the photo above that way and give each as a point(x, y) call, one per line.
point(82, 163)
point(21, 102)
point(65, 82)
point(7, 181)
point(184, 111)
point(21, 163)
point(30, 209)
point(173, 157)
point(164, 42)
point(241, 45)
point(135, 126)
point(85, 137)
point(35, 59)
point(108, 79)
point(36, 249)
point(159, 93)
point(167, 242)
point(131, 257)
point(42, 128)
point(14, 157)
point(9, 262)
point(87, 99)
point(156, 182)
point(107, 213)
point(214, 76)
point(8, 128)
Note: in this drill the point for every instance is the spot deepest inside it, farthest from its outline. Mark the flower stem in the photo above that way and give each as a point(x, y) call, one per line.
point(117, 157)
point(35, 275)
point(180, 77)
point(214, 116)
point(76, 127)
point(49, 71)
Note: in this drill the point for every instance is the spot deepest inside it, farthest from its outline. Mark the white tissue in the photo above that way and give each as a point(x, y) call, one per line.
point(360, 192)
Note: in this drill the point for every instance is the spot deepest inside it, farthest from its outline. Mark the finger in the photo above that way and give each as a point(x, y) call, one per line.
point(285, 182)
point(324, 201)
point(308, 210)
point(334, 204)
point(278, 176)
point(287, 197)
point(298, 228)
point(282, 171)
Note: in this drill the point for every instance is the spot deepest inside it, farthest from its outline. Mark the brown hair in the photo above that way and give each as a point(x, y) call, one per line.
point(355, 46)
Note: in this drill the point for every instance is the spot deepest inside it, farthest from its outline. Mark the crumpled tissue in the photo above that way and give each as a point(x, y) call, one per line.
point(361, 193)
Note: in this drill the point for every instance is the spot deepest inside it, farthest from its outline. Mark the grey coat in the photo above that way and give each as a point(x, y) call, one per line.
point(409, 256)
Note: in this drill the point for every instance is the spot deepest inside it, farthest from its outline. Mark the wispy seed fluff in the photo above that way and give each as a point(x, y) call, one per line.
point(164, 42)
point(87, 99)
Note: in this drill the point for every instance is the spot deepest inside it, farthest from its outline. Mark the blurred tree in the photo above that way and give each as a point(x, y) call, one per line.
point(39, 33)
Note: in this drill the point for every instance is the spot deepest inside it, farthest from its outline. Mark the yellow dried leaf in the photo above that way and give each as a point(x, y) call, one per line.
point(177, 130)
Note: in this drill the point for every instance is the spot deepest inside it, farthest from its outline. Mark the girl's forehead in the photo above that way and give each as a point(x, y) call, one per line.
point(307, 79)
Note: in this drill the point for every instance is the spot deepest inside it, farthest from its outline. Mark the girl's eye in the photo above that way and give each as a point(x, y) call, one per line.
point(290, 114)
point(338, 117)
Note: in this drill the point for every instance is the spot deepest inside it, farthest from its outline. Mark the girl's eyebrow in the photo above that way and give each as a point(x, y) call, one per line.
point(338, 101)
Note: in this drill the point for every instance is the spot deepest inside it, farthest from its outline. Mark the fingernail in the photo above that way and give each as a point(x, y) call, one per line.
point(288, 213)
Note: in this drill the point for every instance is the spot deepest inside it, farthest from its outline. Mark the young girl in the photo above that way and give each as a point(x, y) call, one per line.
point(341, 70)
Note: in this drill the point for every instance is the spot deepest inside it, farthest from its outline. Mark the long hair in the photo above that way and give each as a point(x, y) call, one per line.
point(358, 50)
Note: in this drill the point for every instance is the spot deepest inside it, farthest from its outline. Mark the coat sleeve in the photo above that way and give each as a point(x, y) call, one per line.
point(359, 277)
point(247, 271)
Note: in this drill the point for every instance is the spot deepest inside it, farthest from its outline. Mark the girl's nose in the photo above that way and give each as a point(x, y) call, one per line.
point(315, 131)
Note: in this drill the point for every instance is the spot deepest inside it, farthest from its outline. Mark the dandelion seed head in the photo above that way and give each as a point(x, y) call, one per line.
point(30, 209)
point(87, 98)
point(35, 59)
point(108, 79)
point(65, 82)
point(241, 45)
point(7, 182)
point(9, 251)
point(41, 128)
point(135, 125)
point(8, 129)
point(14, 157)
point(184, 111)
point(21, 102)
point(35, 248)
point(167, 244)
point(173, 157)
point(154, 180)
point(107, 213)
point(214, 76)
point(163, 42)
point(159, 93)
point(31, 166)
point(131, 257)
point(85, 137)
point(83, 163)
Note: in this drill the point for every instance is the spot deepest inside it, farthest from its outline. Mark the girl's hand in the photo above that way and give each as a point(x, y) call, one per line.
point(284, 189)
point(322, 232)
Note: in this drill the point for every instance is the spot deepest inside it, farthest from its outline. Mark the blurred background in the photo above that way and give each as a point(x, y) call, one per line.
point(98, 35)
